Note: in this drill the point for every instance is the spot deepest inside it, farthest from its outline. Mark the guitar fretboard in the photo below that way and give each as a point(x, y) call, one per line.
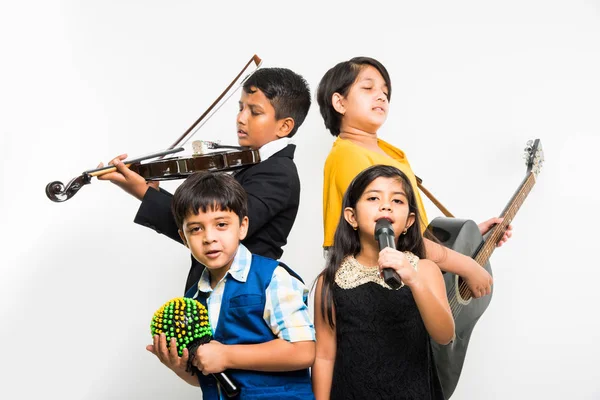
point(508, 214)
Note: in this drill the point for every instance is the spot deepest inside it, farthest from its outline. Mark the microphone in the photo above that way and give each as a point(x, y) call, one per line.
point(384, 234)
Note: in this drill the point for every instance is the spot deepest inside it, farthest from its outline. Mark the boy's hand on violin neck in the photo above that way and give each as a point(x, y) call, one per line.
point(126, 179)
point(478, 280)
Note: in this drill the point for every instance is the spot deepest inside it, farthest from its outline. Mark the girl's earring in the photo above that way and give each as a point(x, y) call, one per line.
point(404, 233)
point(355, 227)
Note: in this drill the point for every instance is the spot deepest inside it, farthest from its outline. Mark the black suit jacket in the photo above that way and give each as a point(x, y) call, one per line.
point(273, 188)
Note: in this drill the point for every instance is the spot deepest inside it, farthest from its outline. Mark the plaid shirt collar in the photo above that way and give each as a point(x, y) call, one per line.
point(240, 267)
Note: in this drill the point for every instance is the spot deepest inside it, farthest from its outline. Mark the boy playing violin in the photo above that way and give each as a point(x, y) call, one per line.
point(273, 105)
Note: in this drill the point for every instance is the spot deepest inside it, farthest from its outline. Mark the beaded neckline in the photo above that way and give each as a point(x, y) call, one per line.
point(352, 273)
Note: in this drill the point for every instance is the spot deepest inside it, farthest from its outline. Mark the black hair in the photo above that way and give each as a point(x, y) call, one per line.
point(340, 79)
point(215, 191)
point(346, 241)
point(288, 93)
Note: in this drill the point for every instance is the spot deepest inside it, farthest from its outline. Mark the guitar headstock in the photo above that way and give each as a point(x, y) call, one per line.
point(534, 156)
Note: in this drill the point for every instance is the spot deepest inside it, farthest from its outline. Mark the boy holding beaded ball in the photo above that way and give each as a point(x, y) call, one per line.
point(262, 330)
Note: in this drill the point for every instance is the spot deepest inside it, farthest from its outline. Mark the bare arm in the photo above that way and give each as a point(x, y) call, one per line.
point(275, 355)
point(322, 370)
point(429, 292)
point(476, 277)
point(428, 289)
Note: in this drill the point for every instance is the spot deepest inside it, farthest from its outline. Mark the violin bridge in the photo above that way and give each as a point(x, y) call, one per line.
point(200, 147)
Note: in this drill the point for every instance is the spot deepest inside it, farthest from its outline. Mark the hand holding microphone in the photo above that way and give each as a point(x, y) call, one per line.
point(384, 235)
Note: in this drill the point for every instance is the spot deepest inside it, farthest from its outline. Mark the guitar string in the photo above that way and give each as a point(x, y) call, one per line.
point(455, 305)
point(499, 232)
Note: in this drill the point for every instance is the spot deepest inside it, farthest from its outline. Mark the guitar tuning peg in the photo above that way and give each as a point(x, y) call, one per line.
point(529, 143)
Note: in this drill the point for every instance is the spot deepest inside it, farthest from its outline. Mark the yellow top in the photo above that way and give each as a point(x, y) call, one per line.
point(346, 160)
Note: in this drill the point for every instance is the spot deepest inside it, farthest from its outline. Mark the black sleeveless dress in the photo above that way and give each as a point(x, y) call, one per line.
point(383, 349)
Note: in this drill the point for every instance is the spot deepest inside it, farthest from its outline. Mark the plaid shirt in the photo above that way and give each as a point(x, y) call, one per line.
point(285, 311)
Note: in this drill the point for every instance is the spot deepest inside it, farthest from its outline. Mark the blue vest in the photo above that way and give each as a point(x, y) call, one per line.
point(241, 322)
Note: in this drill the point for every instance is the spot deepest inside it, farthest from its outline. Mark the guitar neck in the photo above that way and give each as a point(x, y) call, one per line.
point(489, 245)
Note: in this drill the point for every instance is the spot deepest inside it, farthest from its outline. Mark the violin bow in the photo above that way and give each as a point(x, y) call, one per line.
point(180, 142)
point(58, 192)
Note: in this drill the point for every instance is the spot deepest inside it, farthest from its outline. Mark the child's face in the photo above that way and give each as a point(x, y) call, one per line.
point(383, 198)
point(256, 123)
point(366, 105)
point(213, 238)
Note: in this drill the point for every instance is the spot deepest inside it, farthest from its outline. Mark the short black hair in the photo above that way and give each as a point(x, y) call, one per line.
point(339, 79)
point(215, 191)
point(288, 93)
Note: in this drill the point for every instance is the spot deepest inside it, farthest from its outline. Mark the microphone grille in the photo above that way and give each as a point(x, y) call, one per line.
point(383, 224)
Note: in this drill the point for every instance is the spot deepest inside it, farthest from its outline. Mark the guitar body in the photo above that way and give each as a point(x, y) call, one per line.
point(464, 237)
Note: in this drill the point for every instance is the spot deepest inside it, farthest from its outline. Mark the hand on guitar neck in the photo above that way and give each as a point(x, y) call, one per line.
point(474, 271)
point(478, 280)
point(486, 226)
point(476, 277)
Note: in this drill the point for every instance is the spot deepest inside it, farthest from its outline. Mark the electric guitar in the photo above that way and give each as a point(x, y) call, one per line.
point(464, 236)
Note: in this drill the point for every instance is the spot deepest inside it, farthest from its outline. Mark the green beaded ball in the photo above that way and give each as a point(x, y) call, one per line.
point(184, 319)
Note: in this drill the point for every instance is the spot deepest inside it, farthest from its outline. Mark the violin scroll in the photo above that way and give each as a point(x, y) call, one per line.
point(173, 168)
point(58, 192)
point(164, 169)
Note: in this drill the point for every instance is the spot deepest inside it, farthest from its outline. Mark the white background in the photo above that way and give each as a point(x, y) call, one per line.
point(81, 82)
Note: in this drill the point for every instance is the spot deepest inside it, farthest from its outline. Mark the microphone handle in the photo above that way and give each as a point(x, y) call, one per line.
point(392, 278)
point(228, 385)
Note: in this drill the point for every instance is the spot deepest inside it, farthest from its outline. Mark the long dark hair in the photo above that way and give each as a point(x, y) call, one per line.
point(346, 241)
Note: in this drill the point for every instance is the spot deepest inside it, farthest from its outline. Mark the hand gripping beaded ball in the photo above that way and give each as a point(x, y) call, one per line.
point(184, 319)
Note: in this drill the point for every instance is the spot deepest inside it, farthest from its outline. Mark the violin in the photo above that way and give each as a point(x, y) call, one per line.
point(182, 167)
point(178, 167)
